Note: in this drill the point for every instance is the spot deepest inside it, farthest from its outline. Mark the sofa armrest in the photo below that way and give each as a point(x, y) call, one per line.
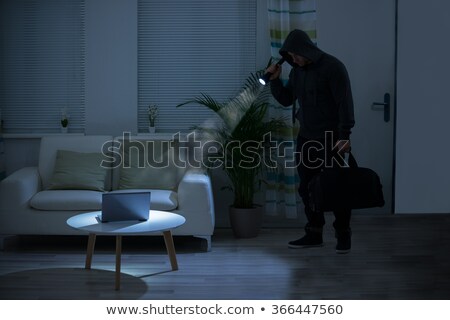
point(17, 189)
point(195, 198)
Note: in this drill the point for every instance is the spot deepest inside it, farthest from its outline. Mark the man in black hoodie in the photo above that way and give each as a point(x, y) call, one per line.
point(320, 84)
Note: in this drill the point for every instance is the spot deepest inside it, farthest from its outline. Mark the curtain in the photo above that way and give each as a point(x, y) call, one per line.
point(282, 183)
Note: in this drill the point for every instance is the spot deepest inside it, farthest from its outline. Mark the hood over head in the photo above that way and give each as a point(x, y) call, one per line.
point(299, 43)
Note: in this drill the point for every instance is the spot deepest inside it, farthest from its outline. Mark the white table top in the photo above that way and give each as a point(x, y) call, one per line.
point(158, 221)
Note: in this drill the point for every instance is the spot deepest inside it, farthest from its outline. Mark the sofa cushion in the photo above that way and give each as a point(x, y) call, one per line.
point(78, 171)
point(148, 165)
point(57, 200)
point(165, 200)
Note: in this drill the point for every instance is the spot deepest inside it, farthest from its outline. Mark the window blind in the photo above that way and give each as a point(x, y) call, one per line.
point(190, 47)
point(42, 64)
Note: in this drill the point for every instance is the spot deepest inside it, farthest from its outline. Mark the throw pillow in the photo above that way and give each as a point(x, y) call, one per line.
point(78, 171)
point(148, 165)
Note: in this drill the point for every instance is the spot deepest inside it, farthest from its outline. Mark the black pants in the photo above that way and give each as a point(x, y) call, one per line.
point(311, 158)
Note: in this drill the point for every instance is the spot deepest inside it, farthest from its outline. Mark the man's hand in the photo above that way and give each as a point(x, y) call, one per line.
point(343, 146)
point(275, 70)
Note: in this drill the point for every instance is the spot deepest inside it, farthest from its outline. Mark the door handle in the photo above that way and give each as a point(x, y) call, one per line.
point(386, 106)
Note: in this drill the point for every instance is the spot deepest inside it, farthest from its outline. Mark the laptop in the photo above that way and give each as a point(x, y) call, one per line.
point(124, 206)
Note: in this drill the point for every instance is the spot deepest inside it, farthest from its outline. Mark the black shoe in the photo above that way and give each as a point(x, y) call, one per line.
point(344, 241)
point(311, 239)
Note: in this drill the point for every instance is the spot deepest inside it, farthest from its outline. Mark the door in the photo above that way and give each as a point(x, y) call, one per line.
point(361, 33)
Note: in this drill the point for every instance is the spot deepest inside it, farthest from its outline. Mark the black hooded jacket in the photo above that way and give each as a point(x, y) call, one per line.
point(322, 89)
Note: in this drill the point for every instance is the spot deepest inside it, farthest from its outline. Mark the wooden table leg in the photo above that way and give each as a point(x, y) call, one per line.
point(118, 254)
point(90, 250)
point(170, 249)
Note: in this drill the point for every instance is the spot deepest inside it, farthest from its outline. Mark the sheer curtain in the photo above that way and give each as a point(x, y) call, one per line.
point(281, 193)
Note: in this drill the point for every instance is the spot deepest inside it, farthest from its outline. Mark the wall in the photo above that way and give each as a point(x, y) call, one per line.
point(422, 148)
point(111, 66)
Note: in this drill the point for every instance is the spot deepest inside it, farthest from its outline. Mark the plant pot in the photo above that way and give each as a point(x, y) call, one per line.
point(246, 223)
point(64, 129)
point(151, 129)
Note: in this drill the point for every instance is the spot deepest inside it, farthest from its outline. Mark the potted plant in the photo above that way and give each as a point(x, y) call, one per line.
point(152, 114)
point(64, 121)
point(240, 139)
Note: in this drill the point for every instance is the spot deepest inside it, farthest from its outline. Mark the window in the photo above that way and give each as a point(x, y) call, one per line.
point(42, 64)
point(190, 47)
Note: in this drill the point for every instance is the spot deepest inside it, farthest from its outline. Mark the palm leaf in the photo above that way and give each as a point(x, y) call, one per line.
point(243, 124)
point(204, 100)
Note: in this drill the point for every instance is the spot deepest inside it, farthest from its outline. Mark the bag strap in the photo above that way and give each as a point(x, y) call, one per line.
point(352, 161)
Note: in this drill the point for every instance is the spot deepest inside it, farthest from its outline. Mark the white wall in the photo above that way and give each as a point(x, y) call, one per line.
point(423, 107)
point(111, 66)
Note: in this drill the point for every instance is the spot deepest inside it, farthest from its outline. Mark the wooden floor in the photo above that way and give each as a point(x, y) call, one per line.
point(393, 257)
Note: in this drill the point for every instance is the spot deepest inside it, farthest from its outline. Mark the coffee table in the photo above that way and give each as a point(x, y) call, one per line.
point(159, 222)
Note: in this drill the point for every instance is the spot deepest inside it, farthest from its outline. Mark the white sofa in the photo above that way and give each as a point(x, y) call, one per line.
point(28, 208)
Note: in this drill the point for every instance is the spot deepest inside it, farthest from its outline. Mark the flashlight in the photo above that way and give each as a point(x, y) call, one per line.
point(265, 79)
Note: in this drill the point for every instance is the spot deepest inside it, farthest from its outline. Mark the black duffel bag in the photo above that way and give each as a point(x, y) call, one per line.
point(349, 187)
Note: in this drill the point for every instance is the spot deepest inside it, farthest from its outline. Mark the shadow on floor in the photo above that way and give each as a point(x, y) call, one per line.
point(69, 284)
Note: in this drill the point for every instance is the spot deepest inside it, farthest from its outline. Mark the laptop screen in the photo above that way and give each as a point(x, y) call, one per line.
point(125, 205)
